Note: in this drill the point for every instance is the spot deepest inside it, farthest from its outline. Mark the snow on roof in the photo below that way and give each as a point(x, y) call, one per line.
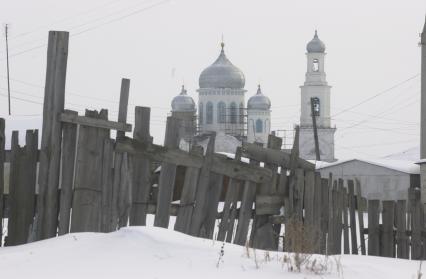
point(398, 165)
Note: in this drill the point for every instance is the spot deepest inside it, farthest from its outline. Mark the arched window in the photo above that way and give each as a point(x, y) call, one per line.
point(200, 114)
point(315, 65)
point(209, 113)
point(316, 102)
point(241, 113)
point(221, 112)
point(233, 112)
point(259, 126)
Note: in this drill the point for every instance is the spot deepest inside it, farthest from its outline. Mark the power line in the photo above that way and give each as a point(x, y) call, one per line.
point(377, 95)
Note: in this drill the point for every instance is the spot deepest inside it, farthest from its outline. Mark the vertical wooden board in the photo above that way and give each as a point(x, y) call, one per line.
point(330, 229)
point(142, 170)
point(231, 193)
point(324, 215)
point(187, 201)
point(124, 100)
point(107, 182)
point(339, 216)
point(246, 208)
point(124, 193)
point(69, 134)
point(115, 195)
point(50, 152)
point(87, 199)
point(388, 242)
point(352, 219)
point(373, 228)
point(213, 196)
point(167, 176)
point(299, 194)
point(317, 206)
point(360, 217)
point(401, 233)
point(2, 160)
point(200, 209)
point(346, 249)
point(309, 198)
point(15, 161)
point(417, 224)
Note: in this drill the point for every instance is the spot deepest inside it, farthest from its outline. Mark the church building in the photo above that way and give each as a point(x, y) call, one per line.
point(222, 107)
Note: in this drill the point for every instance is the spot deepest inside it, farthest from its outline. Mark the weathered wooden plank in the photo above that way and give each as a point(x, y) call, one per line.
point(167, 175)
point(324, 215)
point(212, 202)
point(346, 248)
point(269, 204)
point(7, 155)
point(352, 219)
point(124, 193)
point(417, 223)
point(124, 101)
point(231, 197)
point(317, 206)
point(50, 152)
point(401, 226)
point(200, 209)
point(309, 198)
point(87, 199)
point(388, 241)
point(272, 156)
point(220, 164)
point(2, 161)
point(264, 235)
point(339, 216)
point(107, 184)
point(360, 217)
point(330, 229)
point(187, 200)
point(14, 186)
point(69, 133)
point(96, 123)
point(142, 169)
point(373, 228)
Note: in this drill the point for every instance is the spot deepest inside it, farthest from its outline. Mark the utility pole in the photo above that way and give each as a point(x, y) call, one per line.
point(423, 116)
point(7, 63)
point(314, 127)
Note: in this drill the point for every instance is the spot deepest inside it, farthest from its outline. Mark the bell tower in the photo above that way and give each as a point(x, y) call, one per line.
point(316, 88)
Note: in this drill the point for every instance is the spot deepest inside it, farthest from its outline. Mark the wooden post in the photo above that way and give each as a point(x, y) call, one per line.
point(200, 209)
point(416, 231)
point(107, 186)
point(373, 228)
point(187, 200)
point(124, 101)
point(167, 175)
point(87, 199)
point(401, 233)
point(67, 178)
point(360, 217)
point(142, 166)
point(50, 153)
point(2, 160)
point(346, 249)
point(352, 219)
point(388, 240)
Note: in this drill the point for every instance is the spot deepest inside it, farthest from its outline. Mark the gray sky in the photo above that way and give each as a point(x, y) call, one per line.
point(372, 46)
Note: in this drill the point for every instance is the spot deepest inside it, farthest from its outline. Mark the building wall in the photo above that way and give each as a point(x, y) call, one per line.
point(326, 143)
point(376, 182)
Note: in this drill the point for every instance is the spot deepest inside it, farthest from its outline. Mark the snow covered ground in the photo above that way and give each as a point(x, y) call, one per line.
point(147, 252)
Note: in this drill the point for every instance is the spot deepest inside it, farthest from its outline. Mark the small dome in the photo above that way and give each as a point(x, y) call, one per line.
point(259, 101)
point(222, 74)
point(183, 102)
point(315, 45)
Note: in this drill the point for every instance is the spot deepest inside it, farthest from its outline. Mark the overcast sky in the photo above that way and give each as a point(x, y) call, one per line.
point(372, 46)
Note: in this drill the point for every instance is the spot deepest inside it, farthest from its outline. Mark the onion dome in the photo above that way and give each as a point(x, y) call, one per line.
point(259, 101)
point(315, 45)
point(222, 74)
point(183, 102)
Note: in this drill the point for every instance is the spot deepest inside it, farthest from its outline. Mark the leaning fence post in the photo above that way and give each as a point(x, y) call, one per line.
point(50, 152)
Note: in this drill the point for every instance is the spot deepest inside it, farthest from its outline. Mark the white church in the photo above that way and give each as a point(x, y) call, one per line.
point(222, 107)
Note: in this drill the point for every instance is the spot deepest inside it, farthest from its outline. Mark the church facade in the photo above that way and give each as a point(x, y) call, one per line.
point(222, 107)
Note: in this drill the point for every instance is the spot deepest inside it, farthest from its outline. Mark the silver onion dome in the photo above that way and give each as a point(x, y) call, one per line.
point(183, 102)
point(315, 45)
point(222, 74)
point(259, 101)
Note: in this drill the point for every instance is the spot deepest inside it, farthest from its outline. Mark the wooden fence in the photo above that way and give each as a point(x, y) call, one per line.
point(82, 180)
